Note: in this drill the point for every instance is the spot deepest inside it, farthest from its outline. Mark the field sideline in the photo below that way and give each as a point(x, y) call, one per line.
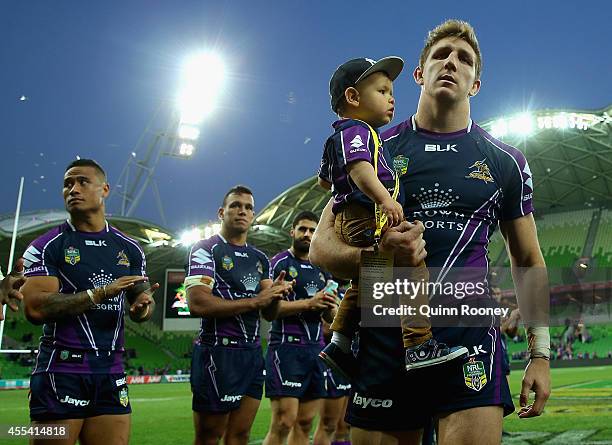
point(579, 412)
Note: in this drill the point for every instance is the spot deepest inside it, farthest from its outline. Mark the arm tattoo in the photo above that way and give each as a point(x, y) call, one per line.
point(58, 306)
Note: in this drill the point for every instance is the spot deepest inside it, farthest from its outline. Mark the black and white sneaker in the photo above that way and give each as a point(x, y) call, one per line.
point(339, 361)
point(432, 353)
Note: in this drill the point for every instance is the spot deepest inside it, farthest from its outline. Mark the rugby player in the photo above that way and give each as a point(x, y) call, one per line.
point(78, 275)
point(228, 283)
point(9, 288)
point(487, 183)
point(295, 378)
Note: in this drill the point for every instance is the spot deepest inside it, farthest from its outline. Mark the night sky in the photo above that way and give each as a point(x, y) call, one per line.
point(85, 78)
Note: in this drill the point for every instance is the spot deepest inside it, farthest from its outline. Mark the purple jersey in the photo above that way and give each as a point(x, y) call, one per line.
point(305, 327)
point(460, 206)
point(93, 341)
point(234, 272)
point(352, 141)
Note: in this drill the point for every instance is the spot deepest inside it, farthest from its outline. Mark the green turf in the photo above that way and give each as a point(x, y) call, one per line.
point(581, 401)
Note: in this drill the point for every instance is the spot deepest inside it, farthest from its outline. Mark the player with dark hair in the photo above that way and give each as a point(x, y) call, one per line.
point(78, 275)
point(462, 183)
point(228, 283)
point(295, 378)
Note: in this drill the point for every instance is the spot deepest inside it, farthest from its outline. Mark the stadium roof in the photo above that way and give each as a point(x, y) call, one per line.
point(34, 224)
point(569, 153)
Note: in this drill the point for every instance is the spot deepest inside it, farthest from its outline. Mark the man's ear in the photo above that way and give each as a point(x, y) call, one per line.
point(351, 95)
point(418, 76)
point(220, 212)
point(475, 88)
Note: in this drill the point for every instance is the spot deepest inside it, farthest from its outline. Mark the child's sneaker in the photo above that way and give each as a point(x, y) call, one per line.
point(341, 362)
point(432, 353)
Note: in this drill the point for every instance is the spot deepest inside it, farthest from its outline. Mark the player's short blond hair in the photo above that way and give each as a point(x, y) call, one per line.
point(452, 28)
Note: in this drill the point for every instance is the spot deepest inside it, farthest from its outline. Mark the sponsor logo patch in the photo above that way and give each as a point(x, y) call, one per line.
point(357, 142)
point(228, 398)
point(98, 243)
point(72, 255)
point(474, 375)
point(76, 402)
point(365, 402)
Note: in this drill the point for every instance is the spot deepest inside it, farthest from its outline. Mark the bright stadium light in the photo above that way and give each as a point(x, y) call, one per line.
point(521, 125)
point(188, 132)
point(202, 81)
point(190, 237)
point(211, 229)
point(186, 149)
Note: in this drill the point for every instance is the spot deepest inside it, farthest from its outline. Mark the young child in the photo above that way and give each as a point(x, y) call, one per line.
point(362, 95)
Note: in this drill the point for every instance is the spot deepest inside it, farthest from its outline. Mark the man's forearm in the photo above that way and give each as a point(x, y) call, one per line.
point(212, 306)
point(287, 308)
point(144, 314)
point(57, 306)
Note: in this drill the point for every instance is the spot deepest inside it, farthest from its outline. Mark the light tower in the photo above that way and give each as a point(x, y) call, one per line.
point(202, 80)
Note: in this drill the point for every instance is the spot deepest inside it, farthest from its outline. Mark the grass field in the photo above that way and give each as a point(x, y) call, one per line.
point(579, 412)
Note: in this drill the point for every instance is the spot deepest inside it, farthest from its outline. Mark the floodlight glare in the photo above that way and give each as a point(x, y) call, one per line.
point(203, 78)
point(190, 237)
point(186, 149)
point(211, 230)
point(522, 124)
point(188, 132)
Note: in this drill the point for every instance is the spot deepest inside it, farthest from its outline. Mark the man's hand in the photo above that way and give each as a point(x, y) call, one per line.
point(323, 300)
point(331, 302)
point(406, 242)
point(142, 305)
point(279, 289)
point(537, 377)
point(118, 286)
point(9, 288)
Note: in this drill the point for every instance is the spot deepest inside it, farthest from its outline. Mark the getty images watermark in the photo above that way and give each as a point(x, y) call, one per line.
point(482, 297)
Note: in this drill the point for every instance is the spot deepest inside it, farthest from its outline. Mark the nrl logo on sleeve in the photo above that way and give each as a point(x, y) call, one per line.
point(482, 171)
point(400, 165)
point(123, 259)
point(227, 263)
point(474, 375)
point(72, 255)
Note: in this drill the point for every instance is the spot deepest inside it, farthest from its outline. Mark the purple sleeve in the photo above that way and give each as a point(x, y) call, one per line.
point(518, 185)
point(39, 258)
point(354, 145)
point(324, 171)
point(201, 261)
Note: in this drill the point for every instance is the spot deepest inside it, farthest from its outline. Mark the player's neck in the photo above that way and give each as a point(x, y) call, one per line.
point(439, 117)
point(236, 238)
point(89, 222)
point(303, 256)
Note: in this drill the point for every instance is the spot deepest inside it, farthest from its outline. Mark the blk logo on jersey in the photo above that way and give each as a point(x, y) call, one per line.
point(441, 148)
point(482, 171)
point(98, 243)
point(72, 255)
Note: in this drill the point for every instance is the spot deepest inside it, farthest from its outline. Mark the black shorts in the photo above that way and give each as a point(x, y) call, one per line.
point(57, 396)
point(386, 397)
point(336, 385)
point(295, 371)
point(221, 376)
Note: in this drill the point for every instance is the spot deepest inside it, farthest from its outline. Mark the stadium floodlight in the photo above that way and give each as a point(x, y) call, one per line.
point(521, 125)
point(211, 229)
point(202, 81)
point(190, 237)
point(188, 132)
point(186, 149)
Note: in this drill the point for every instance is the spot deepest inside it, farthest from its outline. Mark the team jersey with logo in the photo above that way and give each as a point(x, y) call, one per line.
point(487, 182)
point(93, 341)
point(234, 272)
point(305, 327)
point(352, 141)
